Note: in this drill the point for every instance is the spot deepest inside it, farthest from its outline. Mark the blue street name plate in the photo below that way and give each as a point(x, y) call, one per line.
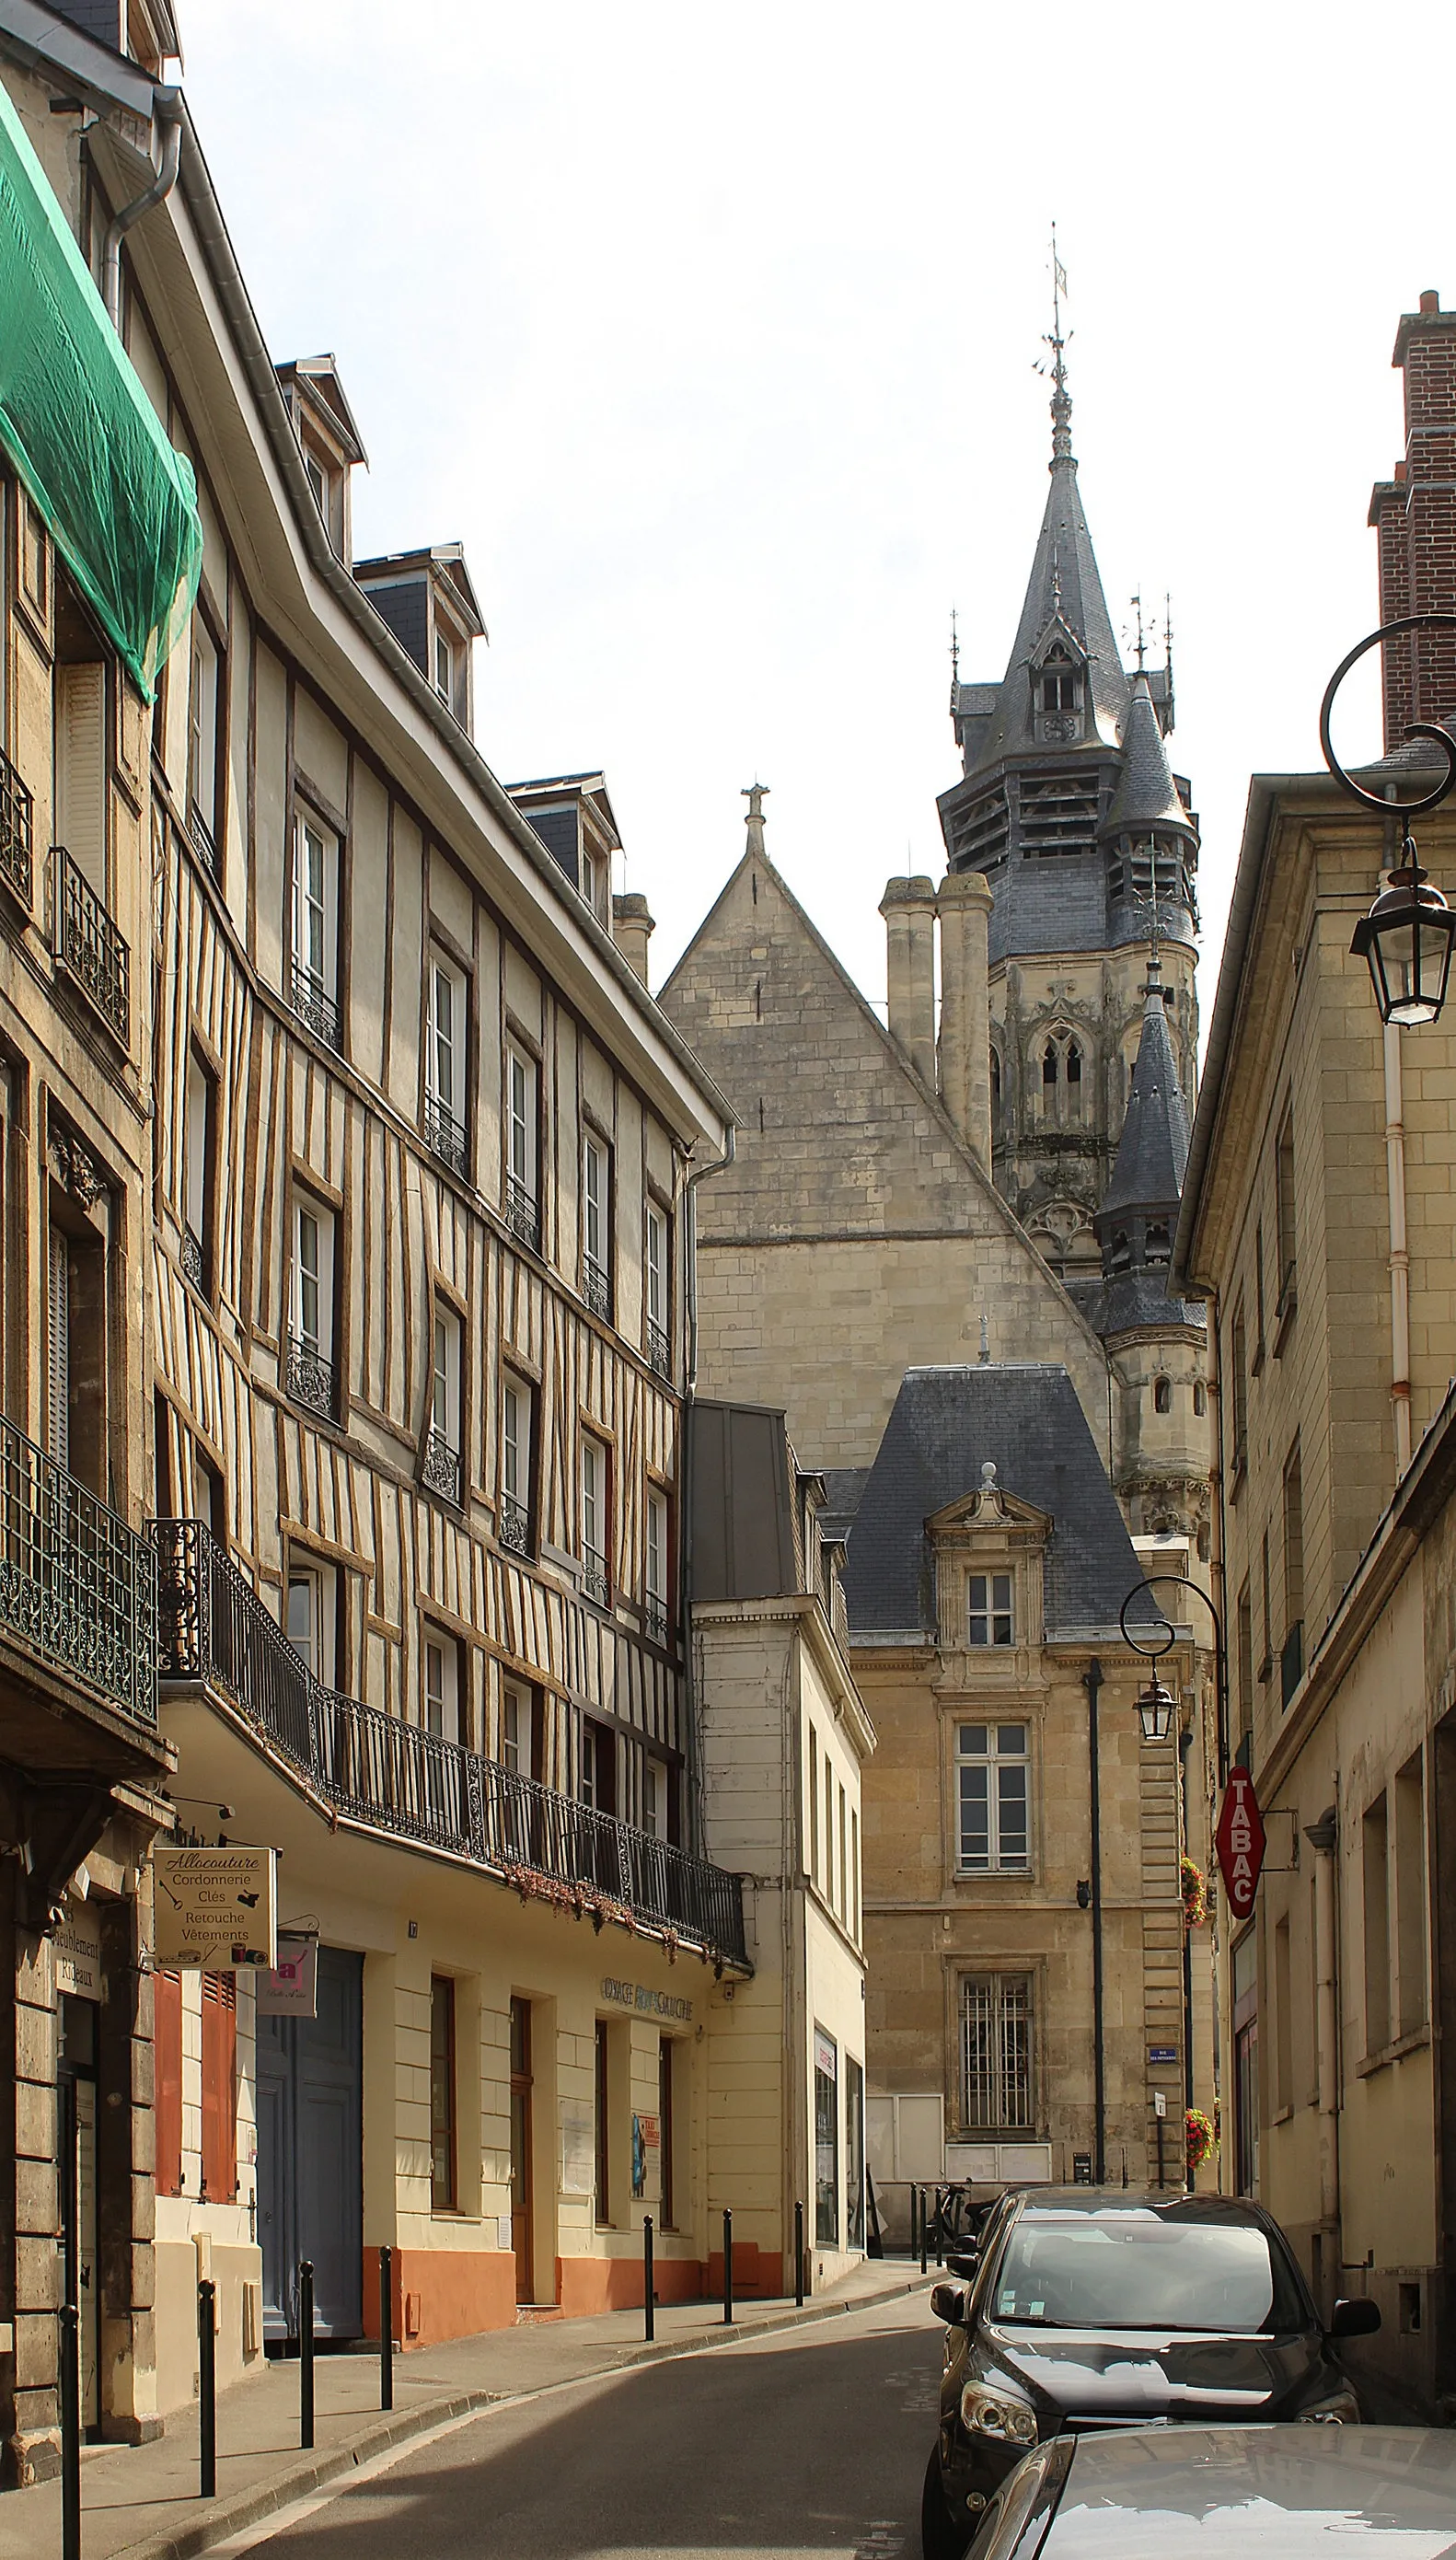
point(1162, 2054)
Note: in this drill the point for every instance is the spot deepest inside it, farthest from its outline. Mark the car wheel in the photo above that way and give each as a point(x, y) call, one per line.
point(942, 2538)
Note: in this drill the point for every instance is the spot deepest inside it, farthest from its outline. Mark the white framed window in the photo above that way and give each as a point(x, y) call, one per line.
point(445, 1397)
point(57, 1345)
point(993, 1798)
point(591, 1771)
point(596, 1204)
point(654, 1798)
point(444, 668)
point(594, 1498)
point(311, 1621)
point(657, 1548)
point(442, 1688)
point(326, 480)
point(515, 1440)
point(311, 1309)
point(997, 2054)
point(522, 1120)
point(444, 1047)
point(315, 907)
point(199, 1140)
point(599, 1767)
point(516, 1736)
point(202, 732)
point(990, 1609)
point(656, 1254)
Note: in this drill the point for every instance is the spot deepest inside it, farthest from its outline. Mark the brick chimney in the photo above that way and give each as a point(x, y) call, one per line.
point(632, 930)
point(1414, 516)
point(908, 909)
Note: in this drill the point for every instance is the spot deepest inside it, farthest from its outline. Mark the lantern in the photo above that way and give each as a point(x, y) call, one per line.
point(1406, 942)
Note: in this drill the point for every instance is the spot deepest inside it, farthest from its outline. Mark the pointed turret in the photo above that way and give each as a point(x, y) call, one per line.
point(1139, 1208)
point(1146, 801)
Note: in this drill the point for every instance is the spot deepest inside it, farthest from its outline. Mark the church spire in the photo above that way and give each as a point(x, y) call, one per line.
point(1061, 451)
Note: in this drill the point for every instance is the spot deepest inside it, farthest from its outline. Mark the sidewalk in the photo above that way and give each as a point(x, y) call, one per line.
point(143, 2501)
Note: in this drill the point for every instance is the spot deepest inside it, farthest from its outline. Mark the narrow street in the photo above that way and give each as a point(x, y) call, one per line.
point(807, 2442)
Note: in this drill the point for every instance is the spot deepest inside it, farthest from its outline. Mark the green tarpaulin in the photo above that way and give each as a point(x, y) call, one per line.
point(120, 504)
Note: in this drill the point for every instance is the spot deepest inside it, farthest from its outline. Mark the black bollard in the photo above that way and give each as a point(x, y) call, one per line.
point(305, 2353)
point(207, 2382)
point(939, 2228)
point(647, 2304)
point(912, 2222)
point(799, 2256)
point(924, 2233)
point(727, 2269)
point(387, 2329)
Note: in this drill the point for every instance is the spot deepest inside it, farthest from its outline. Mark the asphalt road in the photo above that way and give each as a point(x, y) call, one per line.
point(810, 2445)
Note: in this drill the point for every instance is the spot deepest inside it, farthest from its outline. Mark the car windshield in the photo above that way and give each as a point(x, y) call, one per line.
point(1141, 2269)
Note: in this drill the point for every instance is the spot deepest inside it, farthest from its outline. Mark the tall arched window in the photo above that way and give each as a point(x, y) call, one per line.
point(1162, 1395)
point(995, 1089)
point(1073, 1082)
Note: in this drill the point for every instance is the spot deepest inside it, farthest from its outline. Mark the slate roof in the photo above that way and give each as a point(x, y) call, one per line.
point(1152, 1153)
point(945, 1423)
point(1065, 586)
point(843, 1487)
point(1146, 799)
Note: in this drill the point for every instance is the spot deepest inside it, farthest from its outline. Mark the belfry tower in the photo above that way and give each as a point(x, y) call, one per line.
point(1069, 807)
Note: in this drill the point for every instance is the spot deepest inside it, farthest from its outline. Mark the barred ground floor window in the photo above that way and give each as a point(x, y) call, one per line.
point(996, 2053)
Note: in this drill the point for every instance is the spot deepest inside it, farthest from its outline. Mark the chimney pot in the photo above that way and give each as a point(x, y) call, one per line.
point(632, 930)
point(1431, 304)
point(908, 909)
point(964, 905)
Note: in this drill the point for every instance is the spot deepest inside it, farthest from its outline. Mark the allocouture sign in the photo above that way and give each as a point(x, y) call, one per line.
point(1239, 1843)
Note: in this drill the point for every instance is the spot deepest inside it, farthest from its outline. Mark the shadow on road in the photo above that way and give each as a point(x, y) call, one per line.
point(815, 2446)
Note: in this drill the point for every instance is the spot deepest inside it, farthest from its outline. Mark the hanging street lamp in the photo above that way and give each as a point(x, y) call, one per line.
point(1157, 1708)
point(1406, 939)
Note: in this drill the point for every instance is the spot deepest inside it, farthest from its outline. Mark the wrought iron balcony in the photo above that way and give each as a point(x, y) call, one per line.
point(513, 1525)
point(314, 1005)
point(15, 832)
point(90, 948)
point(595, 1581)
point(523, 1213)
point(311, 1378)
point(596, 1288)
point(394, 1778)
point(78, 1587)
point(659, 1351)
point(654, 1619)
point(445, 1136)
point(441, 1473)
point(194, 1264)
point(203, 840)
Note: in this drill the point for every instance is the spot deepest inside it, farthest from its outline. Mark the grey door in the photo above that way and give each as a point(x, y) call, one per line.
point(310, 2165)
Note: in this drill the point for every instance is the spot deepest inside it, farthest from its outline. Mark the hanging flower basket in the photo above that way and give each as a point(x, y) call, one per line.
point(1194, 1888)
point(1200, 2138)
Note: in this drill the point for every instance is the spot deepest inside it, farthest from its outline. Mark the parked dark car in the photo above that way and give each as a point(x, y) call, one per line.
point(1231, 2494)
point(1088, 2308)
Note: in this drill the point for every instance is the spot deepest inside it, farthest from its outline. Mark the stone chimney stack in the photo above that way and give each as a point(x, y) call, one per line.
point(964, 907)
point(632, 930)
point(908, 909)
point(1414, 516)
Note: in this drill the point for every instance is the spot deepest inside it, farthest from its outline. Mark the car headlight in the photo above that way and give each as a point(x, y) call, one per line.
point(992, 2413)
point(1337, 2409)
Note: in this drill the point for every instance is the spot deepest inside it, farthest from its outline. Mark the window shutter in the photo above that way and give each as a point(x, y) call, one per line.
point(81, 769)
point(58, 1380)
point(167, 2049)
point(220, 2087)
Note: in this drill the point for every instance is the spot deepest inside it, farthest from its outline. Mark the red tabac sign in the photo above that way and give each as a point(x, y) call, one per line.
point(1239, 1843)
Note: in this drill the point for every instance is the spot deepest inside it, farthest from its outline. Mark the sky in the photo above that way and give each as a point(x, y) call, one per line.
point(713, 336)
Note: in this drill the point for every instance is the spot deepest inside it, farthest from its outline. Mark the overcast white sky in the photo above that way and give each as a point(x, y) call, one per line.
point(711, 333)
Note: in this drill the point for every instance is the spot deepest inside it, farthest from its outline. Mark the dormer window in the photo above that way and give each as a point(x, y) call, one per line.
point(1061, 688)
point(444, 671)
point(1058, 695)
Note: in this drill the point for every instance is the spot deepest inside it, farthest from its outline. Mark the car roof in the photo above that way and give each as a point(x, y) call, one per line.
point(1296, 2491)
point(1237, 2210)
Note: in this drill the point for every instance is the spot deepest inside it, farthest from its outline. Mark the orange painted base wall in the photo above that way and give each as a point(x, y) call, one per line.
point(588, 2285)
point(757, 2275)
point(442, 2293)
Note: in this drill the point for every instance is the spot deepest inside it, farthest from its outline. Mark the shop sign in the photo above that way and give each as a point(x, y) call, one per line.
point(650, 2003)
point(291, 1989)
point(826, 2056)
point(216, 1908)
point(78, 1946)
point(1239, 1843)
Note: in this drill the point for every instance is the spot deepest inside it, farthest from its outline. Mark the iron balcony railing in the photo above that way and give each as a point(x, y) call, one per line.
point(596, 1288)
point(400, 1779)
point(314, 1005)
point(595, 1581)
point(15, 832)
point(659, 1351)
point(513, 1525)
point(78, 1587)
point(89, 947)
point(193, 1262)
point(441, 1472)
point(445, 1137)
point(311, 1379)
point(654, 1619)
point(523, 1213)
